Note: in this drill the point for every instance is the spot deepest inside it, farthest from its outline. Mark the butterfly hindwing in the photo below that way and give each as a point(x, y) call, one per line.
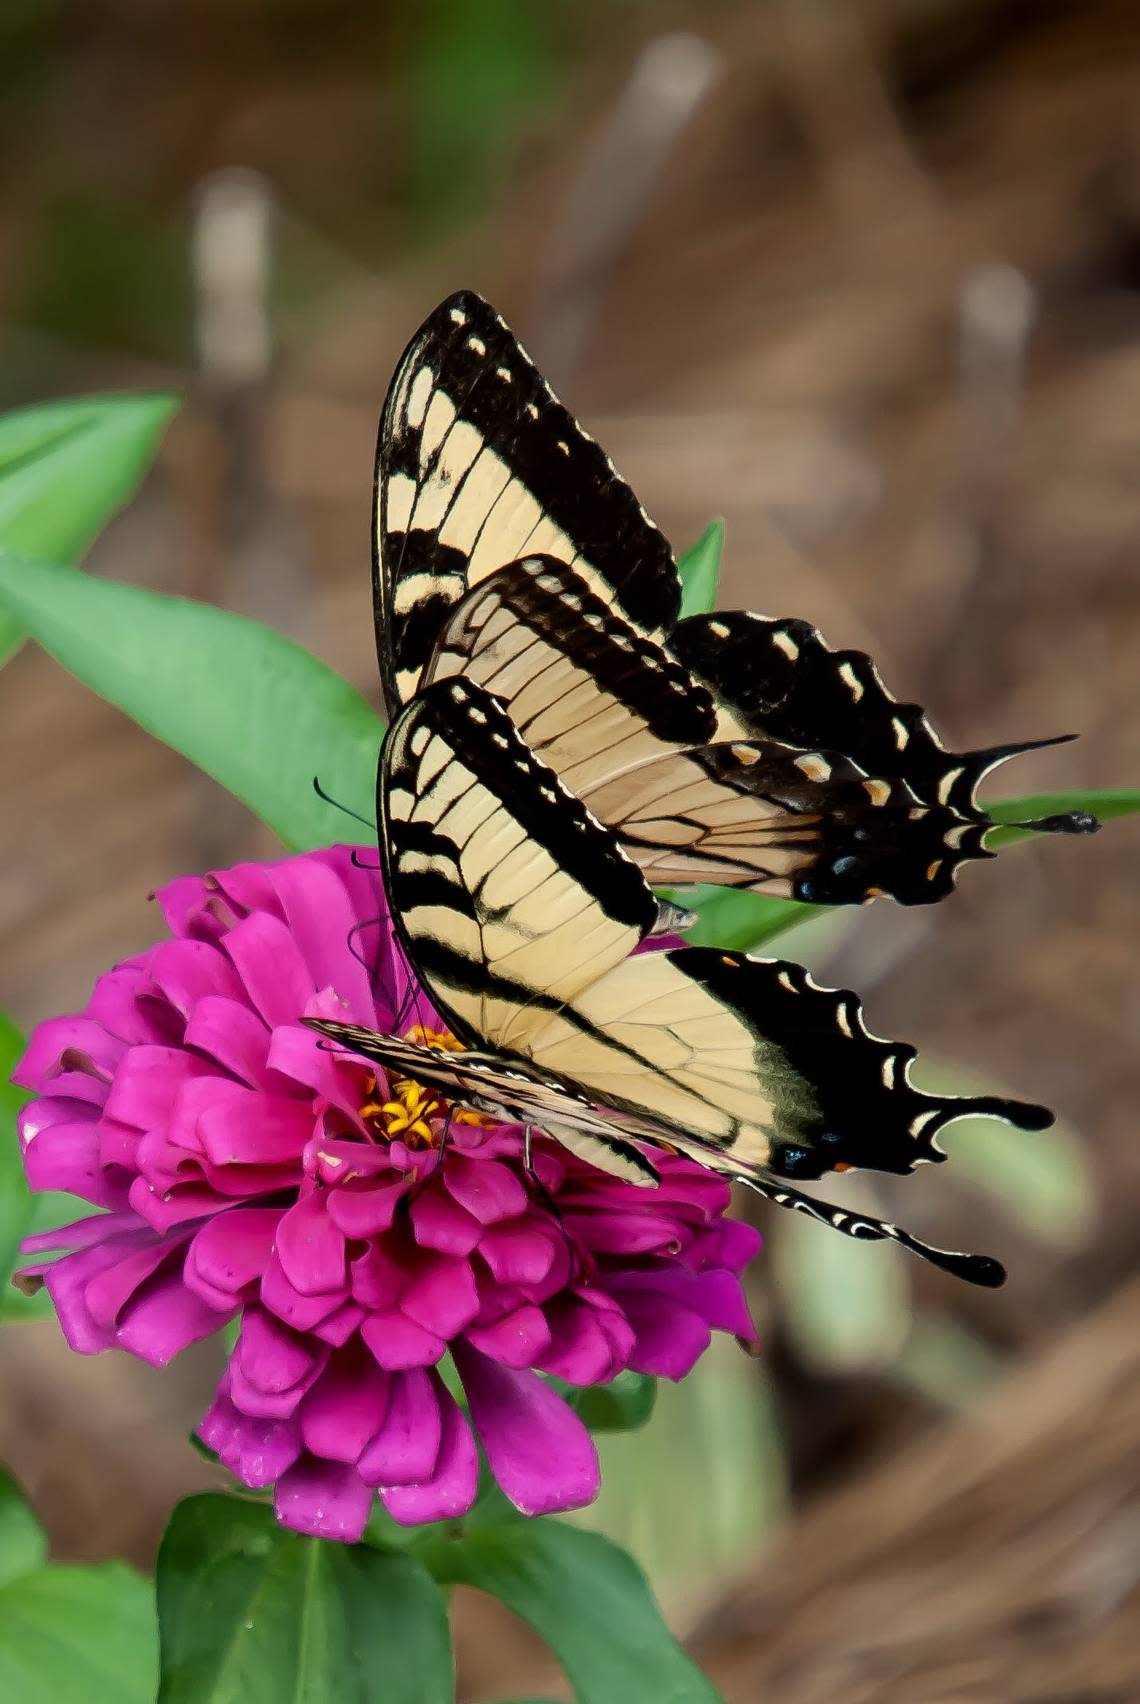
point(629, 730)
point(477, 464)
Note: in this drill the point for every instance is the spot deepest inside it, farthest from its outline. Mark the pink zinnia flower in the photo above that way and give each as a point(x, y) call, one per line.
point(249, 1173)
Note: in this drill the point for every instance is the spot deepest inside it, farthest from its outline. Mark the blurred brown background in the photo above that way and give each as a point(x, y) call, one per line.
point(864, 279)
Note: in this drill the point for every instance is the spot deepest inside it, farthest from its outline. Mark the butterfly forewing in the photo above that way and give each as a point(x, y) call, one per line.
point(478, 463)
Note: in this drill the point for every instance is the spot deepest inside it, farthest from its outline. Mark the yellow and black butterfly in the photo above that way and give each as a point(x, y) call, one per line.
point(729, 748)
point(520, 912)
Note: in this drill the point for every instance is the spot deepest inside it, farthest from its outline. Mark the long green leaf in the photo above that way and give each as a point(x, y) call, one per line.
point(71, 1635)
point(587, 1599)
point(252, 709)
point(65, 467)
point(1112, 802)
point(23, 1546)
point(699, 567)
point(250, 1614)
point(15, 1197)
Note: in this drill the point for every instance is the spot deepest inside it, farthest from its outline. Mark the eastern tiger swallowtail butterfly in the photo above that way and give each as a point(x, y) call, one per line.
point(520, 913)
point(726, 748)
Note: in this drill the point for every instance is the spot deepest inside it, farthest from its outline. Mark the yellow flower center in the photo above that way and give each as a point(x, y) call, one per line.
point(406, 1116)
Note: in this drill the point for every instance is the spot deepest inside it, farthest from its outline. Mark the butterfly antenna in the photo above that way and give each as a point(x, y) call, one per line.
point(338, 806)
point(358, 863)
point(358, 929)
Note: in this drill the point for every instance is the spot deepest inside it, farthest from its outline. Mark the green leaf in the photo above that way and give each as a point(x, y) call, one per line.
point(699, 567)
point(1115, 802)
point(1041, 1177)
point(623, 1405)
point(743, 921)
point(587, 1599)
point(250, 1614)
point(65, 468)
point(15, 1196)
point(252, 709)
point(71, 1635)
point(23, 1547)
point(715, 1445)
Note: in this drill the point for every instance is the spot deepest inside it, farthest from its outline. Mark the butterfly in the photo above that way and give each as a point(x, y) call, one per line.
point(521, 912)
point(728, 748)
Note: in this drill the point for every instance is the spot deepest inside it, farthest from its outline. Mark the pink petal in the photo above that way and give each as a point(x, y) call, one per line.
point(440, 1294)
point(587, 1345)
point(321, 919)
point(398, 1342)
point(232, 1035)
point(489, 1190)
point(324, 1499)
point(256, 1451)
point(406, 1445)
point(301, 1312)
point(249, 1127)
point(147, 1083)
point(267, 959)
point(670, 1339)
point(441, 1223)
point(520, 1339)
point(164, 1319)
point(539, 1451)
point(114, 1004)
point(64, 1156)
point(66, 1283)
point(363, 1212)
point(109, 1293)
point(346, 1406)
point(518, 1252)
point(40, 1062)
point(232, 1250)
point(187, 971)
point(379, 1277)
point(271, 1356)
point(311, 1248)
point(450, 1491)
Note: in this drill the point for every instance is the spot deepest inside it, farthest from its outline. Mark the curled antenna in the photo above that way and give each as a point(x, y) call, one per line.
point(358, 929)
point(358, 863)
point(336, 804)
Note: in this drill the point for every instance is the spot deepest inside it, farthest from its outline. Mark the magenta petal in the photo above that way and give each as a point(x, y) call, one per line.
point(518, 1340)
point(450, 1491)
point(301, 1312)
point(40, 1063)
point(587, 1345)
point(539, 1451)
point(311, 1248)
point(379, 1277)
point(441, 1223)
point(440, 1294)
point(66, 1283)
point(406, 1445)
point(115, 1004)
point(232, 1035)
point(324, 1499)
point(267, 959)
point(256, 1451)
point(366, 1212)
point(64, 1156)
point(518, 1252)
point(321, 920)
point(164, 1319)
point(670, 1339)
point(398, 1342)
point(486, 1188)
point(189, 971)
point(271, 1356)
point(232, 1249)
point(249, 1127)
point(109, 1293)
point(147, 1082)
point(346, 1406)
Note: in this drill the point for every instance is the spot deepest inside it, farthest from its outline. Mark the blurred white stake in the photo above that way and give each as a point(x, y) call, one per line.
point(623, 165)
point(231, 258)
